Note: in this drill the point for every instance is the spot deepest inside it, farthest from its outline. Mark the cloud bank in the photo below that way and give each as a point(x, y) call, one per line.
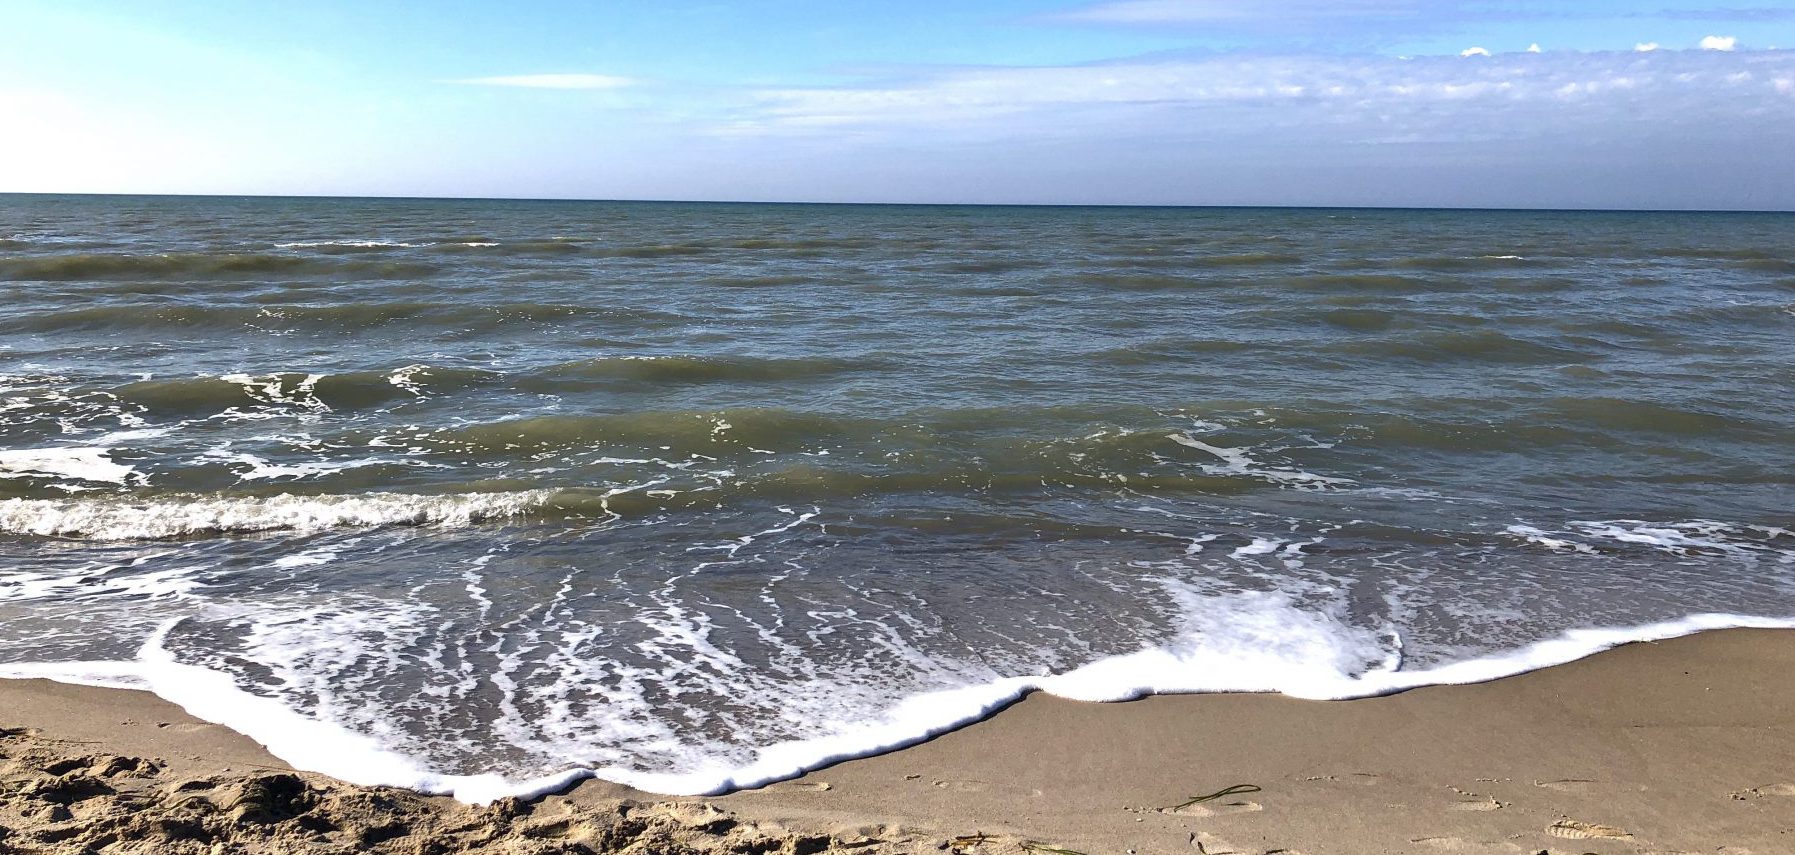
point(1349, 98)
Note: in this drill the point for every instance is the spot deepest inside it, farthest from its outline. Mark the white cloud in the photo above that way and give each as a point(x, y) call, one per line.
point(552, 81)
point(1719, 43)
point(1243, 95)
point(1533, 48)
point(1474, 51)
point(1646, 47)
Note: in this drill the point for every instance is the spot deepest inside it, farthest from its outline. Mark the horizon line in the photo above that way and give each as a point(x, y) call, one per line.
point(795, 202)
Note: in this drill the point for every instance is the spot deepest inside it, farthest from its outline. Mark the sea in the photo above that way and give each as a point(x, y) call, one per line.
point(486, 497)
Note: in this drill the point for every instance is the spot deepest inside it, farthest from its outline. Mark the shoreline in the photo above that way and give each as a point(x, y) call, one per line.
point(1681, 745)
point(1173, 669)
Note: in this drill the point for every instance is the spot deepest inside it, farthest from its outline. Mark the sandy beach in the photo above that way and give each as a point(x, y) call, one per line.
point(1681, 746)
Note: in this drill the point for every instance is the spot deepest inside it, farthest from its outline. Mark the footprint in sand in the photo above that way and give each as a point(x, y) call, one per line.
point(1568, 785)
point(1460, 844)
point(700, 815)
point(1449, 844)
point(1570, 829)
point(1215, 809)
point(557, 829)
point(1485, 804)
point(962, 786)
point(1766, 791)
point(1208, 844)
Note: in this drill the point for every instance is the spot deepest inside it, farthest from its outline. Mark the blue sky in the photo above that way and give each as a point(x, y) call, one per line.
point(1377, 102)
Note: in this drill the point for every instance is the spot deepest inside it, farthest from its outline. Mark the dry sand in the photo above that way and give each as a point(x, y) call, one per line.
point(1683, 746)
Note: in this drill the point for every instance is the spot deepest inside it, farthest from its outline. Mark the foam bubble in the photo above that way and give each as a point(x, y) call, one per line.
point(1259, 546)
point(406, 378)
point(120, 519)
point(1677, 538)
point(253, 468)
point(1534, 535)
point(271, 389)
point(1246, 642)
point(80, 464)
point(358, 244)
point(1239, 461)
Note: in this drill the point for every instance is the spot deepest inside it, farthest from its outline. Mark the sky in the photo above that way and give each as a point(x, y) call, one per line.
point(1458, 103)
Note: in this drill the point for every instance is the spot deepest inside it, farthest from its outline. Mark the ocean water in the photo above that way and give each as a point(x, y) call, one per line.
point(480, 497)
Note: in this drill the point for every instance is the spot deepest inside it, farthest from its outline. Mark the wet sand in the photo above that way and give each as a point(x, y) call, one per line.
point(1679, 746)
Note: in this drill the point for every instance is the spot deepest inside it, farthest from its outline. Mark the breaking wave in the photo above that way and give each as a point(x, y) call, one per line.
point(165, 517)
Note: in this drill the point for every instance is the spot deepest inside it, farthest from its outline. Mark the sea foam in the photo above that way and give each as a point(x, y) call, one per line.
point(1258, 642)
point(177, 516)
point(79, 464)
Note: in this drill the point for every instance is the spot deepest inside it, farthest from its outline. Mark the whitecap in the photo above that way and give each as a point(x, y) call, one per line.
point(80, 464)
point(176, 516)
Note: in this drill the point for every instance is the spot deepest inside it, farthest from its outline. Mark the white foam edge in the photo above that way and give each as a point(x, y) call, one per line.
point(176, 515)
point(303, 742)
point(325, 748)
point(80, 463)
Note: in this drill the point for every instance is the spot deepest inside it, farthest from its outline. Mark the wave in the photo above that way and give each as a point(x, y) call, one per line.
point(1242, 259)
point(1593, 422)
point(641, 465)
point(808, 243)
point(1170, 350)
point(932, 435)
point(1769, 265)
point(350, 246)
point(1717, 253)
point(652, 251)
point(345, 391)
point(166, 517)
point(986, 266)
point(1176, 262)
point(485, 246)
point(1377, 283)
point(187, 266)
point(1140, 281)
point(1480, 346)
point(702, 369)
point(1630, 416)
point(1460, 264)
point(680, 431)
point(1359, 320)
point(770, 281)
point(798, 453)
point(347, 317)
point(1697, 537)
point(1757, 260)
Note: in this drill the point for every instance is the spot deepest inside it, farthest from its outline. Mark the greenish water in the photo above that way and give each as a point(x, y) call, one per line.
point(524, 487)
